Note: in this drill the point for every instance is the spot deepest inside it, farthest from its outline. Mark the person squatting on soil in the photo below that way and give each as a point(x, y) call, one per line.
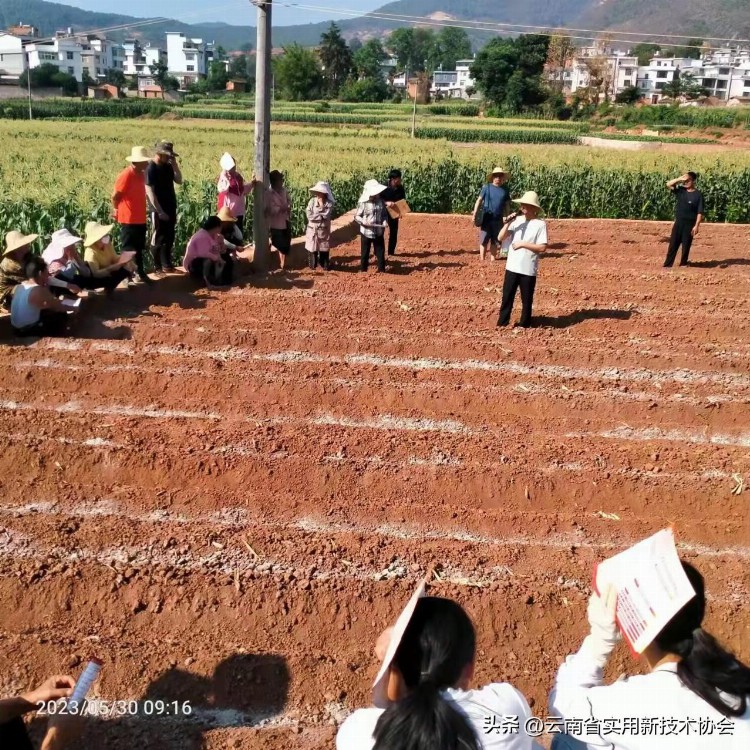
point(16, 255)
point(393, 193)
point(691, 677)
point(233, 190)
point(232, 239)
point(279, 214)
point(372, 219)
point(101, 257)
point(689, 213)
point(162, 175)
point(491, 206)
point(65, 264)
point(423, 701)
point(203, 259)
point(62, 729)
point(318, 234)
point(129, 207)
point(528, 239)
point(35, 311)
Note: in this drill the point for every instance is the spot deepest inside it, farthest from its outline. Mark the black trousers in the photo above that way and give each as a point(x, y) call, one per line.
point(163, 241)
point(133, 237)
point(682, 234)
point(97, 282)
point(376, 243)
point(14, 736)
point(205, 269)
point(392, 234)
point(510, 286)
point(241, 223)
point(319, 258)
point(50, 324)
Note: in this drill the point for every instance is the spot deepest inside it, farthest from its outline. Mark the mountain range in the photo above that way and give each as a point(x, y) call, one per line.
point(699, 18)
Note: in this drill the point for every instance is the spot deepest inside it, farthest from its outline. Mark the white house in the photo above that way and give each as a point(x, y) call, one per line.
point(63, 52)
point(453, 83)
point(188, 59)
point(622, 70)
point(138, 59)
point(98, 55)
point(12, 57)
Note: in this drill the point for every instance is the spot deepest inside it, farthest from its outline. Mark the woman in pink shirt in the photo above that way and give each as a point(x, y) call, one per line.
point(233, 189)
point(279, 214)
point(203, 256)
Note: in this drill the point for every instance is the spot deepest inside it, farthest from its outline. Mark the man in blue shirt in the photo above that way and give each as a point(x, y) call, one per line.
point(492, 206)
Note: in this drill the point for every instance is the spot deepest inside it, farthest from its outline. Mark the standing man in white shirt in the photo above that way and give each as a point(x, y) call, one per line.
point(528, 239)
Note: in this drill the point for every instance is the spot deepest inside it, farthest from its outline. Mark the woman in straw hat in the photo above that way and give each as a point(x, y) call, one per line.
point(528, 239)
point(490, 208)
point(423, 699)
point(203, 256)
point(101, 258)
point(16, 255)
point(233, 189)
point(66, 264)
point(129, 204)
point(318, 235)
point(372, 219)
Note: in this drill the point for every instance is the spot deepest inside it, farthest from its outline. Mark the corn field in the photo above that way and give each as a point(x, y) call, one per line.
point(56, 174)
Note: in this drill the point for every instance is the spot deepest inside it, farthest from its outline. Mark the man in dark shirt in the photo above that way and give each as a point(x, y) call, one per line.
point(162, 175)
point(688, 217)
point(394, 192)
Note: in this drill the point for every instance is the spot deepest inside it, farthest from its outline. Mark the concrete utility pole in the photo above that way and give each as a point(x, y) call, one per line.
point(262, 256)
point(28, 81)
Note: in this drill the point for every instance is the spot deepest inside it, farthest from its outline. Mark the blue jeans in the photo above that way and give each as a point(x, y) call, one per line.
point(566, 742)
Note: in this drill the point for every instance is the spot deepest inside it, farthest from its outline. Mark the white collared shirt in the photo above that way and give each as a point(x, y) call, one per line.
point(485, 709)
point(521, 260)
point(618, 716)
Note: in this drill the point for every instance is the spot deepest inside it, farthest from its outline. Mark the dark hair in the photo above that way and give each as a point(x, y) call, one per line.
point(275, 176)
point(394, 173)
point(34, 266)
point(693, 176)
point(438, 645)
point(705, 667)
point(211, 223)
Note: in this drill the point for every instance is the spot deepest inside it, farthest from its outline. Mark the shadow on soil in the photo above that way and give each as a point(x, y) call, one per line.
point(721, 263)
point(245, 691)
point(397, 265)
point(579, 316)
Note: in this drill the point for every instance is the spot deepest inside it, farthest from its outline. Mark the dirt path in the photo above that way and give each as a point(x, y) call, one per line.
point(226, 496)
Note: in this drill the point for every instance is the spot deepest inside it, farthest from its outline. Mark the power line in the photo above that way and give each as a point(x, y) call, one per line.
point(501, 29)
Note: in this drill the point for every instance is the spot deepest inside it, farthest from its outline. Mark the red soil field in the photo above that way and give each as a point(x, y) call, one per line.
point(226, 496)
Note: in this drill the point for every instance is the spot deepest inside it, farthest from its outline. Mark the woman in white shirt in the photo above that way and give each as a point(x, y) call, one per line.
point(527, 235)
point(426, 702)
point(694, 697)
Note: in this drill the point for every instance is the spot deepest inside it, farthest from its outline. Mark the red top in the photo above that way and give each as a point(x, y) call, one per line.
point(132, 188)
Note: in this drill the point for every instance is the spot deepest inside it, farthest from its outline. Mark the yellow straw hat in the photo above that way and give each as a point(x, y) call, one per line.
point(15, 240)
point(95, 232)
point(138, 154)
point(529, 198)
point(225, 214)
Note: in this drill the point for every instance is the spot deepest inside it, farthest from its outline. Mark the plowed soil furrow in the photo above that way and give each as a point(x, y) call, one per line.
point(227, 496)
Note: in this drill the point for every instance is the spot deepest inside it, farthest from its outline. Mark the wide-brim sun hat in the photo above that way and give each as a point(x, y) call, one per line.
point(138, 155)
point(61, 240)
point(323, 188)
point(15, 240)
point(371, 188)
point(225, 214)
point(227, 162)
point(529, 198)
point(95, 232)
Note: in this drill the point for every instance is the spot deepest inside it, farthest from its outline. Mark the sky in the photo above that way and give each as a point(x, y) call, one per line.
point(238, 12)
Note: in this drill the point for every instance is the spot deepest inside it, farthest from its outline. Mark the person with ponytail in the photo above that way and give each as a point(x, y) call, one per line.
point(691, 679)
point(424, 701)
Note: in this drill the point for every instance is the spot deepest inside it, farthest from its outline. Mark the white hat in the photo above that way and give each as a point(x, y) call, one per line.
point(372, 187)
point(498, 170)
point(62, 239)
point(529, 198)
point(380, 686)
point(322, 187)
point(138, 154)
point(227, 162)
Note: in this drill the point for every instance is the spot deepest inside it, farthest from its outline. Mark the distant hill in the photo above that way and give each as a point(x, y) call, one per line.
point(690, 17)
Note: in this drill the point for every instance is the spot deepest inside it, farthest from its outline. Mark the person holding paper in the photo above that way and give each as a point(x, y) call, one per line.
point(318, 235)
point(393, 193)
point(422, 696)
point(371, 217)
point(691, 678)
point(100, 255)
point(35, 311)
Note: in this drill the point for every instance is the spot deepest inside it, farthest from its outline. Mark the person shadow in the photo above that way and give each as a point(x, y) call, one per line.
point(179, 708)
point(726, 263)
point(579, 316)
